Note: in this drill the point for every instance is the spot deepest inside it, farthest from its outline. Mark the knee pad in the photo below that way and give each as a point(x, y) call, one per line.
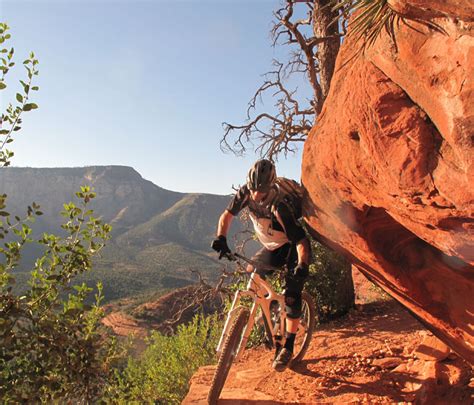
point(294, 285)
point(290, 301)
point(293, 304)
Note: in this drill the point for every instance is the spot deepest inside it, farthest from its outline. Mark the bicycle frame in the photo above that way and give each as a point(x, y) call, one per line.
point(262, 295)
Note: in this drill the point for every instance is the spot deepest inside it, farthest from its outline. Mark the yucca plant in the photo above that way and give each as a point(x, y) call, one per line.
point(371, 17)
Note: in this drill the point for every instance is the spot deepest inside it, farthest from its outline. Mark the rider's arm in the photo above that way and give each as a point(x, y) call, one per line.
point(224, 223)
point(238, 202)
point(295, 233)
point(304, 251)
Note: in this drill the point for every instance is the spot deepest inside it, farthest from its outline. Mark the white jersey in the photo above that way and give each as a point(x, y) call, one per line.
point(275, 224)
point(268, 236)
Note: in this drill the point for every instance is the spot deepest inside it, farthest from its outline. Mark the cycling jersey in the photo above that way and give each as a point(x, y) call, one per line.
point(274, 225)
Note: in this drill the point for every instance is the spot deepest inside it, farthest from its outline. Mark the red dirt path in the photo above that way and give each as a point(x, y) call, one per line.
point(365, 357)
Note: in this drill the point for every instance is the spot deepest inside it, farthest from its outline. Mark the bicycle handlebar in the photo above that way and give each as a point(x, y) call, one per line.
point(234, 256)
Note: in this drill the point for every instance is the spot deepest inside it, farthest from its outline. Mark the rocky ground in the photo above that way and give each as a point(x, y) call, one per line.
point(378, 353)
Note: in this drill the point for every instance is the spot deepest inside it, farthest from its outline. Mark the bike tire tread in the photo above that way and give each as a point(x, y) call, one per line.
point(227, 356)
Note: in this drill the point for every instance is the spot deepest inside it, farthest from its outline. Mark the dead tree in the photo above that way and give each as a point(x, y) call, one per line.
point(314, 41)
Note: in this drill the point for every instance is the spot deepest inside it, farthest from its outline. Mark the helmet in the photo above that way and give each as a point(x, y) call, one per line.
point(261, 176)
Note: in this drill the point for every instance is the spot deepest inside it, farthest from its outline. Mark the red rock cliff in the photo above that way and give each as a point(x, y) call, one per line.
point(389, 167)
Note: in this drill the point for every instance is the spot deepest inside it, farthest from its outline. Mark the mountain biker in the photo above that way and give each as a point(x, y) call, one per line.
point(274, 211)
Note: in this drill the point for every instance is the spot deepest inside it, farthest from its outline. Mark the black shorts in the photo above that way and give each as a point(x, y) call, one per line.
point(277, 258)
point(288, 255)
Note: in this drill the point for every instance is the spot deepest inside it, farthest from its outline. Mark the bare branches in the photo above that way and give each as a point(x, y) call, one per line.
point(194, 299)
point(295, 34)
point(276, 133)
point(312, 53)
point(200, 297)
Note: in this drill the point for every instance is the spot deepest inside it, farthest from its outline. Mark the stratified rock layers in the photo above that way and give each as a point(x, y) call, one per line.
point(389, 170)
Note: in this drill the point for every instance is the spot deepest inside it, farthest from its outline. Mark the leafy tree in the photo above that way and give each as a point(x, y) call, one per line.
point(51, 348)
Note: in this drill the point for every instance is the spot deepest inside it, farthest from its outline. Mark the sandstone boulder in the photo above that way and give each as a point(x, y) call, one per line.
point(389, 171)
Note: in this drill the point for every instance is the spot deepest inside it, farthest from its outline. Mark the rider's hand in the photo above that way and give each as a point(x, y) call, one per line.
point(301, 271)
point(294, 281)
point(220, 245)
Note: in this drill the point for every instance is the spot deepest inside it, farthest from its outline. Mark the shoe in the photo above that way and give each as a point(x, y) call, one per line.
point(282, 360)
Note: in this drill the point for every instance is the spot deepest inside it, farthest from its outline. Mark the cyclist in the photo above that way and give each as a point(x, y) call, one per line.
point(274, 206)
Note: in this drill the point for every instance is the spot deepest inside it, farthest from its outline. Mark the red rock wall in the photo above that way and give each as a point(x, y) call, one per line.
point(389, 170)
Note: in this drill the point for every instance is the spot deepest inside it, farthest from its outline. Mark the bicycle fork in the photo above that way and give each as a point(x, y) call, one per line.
point(230, 317)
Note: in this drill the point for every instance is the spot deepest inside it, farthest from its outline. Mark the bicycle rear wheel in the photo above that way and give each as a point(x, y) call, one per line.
point(229, 351)
point(306, 327)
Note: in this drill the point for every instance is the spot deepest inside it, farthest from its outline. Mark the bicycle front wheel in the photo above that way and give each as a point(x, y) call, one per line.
point(229, 351)
point(306, 327)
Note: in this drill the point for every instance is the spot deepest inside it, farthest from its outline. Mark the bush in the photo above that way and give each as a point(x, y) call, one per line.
point(330, 282)
point(161, 375)
point(50, 345)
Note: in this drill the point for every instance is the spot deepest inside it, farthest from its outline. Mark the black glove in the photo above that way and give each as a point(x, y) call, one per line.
point(301, 271)
point(220, 245)
point(294, 281)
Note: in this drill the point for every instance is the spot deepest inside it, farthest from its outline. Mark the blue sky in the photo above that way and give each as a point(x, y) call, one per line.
point(145, 84)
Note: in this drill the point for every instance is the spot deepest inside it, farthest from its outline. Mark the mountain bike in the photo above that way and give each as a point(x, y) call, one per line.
point(240, 320)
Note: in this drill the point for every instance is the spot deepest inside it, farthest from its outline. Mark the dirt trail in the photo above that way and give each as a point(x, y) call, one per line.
point(124, 325)
point(366, 357)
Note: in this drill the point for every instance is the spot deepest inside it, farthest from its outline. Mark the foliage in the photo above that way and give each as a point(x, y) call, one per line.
point(51, 347)
point(372, 17)
point(10, 120)
point(50, 344)
point(161, 375)
point(330, 282)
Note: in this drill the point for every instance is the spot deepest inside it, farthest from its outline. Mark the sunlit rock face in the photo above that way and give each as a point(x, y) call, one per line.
point(389, 168)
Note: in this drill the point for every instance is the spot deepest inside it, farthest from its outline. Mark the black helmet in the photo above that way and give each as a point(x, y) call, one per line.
point(261, 176)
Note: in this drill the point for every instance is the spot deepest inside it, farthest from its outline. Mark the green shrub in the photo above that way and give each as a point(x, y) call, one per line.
point(330, 282)
point(161, 375)
point(51, 348)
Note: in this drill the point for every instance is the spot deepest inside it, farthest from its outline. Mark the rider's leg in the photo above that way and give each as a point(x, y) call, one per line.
point(293, 288)
point(263, 256)
point(293, 293)
point(293, 313)
point(292, 325)
point(283, 359)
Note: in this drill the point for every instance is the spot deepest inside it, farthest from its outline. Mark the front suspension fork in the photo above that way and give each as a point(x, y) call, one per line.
point(228, 321)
